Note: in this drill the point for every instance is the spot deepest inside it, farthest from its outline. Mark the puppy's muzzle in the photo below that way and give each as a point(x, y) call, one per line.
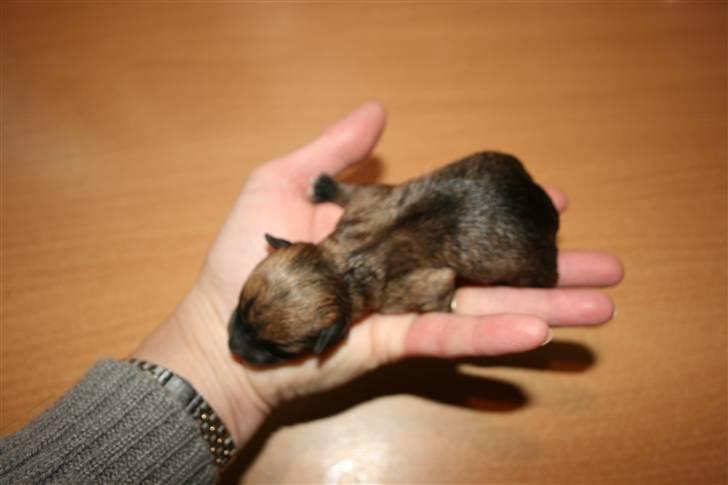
point(244, 344)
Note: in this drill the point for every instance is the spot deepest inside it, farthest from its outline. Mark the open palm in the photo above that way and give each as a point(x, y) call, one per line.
point(491, 321)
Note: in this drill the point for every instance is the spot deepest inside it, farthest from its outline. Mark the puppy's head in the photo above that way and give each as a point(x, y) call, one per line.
point(293, 303)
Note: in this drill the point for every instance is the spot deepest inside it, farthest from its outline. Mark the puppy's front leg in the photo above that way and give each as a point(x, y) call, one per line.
point(422, 290)
point(325, 189)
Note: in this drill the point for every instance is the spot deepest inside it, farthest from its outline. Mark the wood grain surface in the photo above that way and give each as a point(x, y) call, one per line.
point(128, 129)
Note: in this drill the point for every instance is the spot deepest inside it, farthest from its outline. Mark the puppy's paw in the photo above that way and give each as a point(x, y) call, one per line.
point(323, 189)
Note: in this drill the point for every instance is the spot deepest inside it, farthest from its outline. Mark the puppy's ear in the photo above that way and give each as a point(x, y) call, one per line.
point(277, 243)
point(326, 337)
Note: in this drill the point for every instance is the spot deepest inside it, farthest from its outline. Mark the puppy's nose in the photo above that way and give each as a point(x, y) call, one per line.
point(235, 345)
point(242, 346)
point(236, 340)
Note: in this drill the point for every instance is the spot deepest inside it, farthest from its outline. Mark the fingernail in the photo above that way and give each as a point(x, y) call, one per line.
point(549, 337)
point(453, 305)
point(614, 313)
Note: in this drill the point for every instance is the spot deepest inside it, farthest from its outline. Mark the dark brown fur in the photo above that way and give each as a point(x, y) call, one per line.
point(398, 249)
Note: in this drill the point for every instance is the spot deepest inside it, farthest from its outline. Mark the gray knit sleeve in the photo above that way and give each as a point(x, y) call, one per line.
point(117, 425)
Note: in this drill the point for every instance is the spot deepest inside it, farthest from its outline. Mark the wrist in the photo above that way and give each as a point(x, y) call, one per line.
point(193, 344)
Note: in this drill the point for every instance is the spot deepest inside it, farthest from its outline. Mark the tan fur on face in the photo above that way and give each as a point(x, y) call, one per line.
point(294, 294)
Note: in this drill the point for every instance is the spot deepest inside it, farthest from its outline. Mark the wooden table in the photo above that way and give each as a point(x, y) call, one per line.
point(127, 130)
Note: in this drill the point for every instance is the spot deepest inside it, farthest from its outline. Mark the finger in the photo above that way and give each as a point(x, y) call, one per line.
point(555, 306)
point(342, 144)
point(443, 335)
point(448, 335)
point(558, 198)
point(588, 268)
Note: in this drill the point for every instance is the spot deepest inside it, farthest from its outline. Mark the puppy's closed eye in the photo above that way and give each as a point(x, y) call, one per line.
point(325, 338)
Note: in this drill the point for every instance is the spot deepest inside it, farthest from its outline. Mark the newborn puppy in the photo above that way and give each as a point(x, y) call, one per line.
point(403, 248)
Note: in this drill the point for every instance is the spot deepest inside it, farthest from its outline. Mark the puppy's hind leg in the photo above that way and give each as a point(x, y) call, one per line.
point(325, 189)
point(422, 290)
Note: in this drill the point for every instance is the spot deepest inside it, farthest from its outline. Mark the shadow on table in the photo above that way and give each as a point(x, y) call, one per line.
point(368, 171)
point(432, 379)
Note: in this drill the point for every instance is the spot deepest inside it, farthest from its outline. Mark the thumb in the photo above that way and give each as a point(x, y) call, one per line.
point(342, 144)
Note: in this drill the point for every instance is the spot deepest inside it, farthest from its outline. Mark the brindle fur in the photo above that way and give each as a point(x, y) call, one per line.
point(397, 249)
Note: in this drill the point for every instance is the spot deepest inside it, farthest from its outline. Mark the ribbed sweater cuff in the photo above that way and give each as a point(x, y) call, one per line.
point(117, 425)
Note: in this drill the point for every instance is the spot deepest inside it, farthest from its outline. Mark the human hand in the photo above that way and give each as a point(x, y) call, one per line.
point(486, 321)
